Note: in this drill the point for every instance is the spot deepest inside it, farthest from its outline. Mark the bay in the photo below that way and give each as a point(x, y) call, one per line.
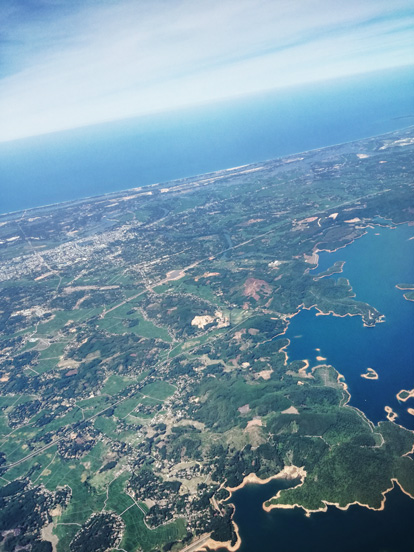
point(357, 529)
point(374, 265)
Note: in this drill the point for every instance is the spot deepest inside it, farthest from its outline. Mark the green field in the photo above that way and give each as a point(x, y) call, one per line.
point(118, 321)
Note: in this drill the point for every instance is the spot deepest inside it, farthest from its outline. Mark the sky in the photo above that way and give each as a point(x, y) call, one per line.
point(72, 63)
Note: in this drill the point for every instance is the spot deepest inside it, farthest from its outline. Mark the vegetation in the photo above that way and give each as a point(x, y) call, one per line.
point(144, 363)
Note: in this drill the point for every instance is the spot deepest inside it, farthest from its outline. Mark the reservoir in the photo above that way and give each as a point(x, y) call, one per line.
point(374, 264)
point(356, 529)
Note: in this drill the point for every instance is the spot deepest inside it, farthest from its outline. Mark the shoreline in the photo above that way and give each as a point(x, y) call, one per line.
point(326, 503)
point(411, 288)
point(212, 544)
point(194, 176)
point(391, 415)
point(329, 313)
point(292, 472)
point(410, 394)
point(370, 374)
point(288, 473)
point(336, 504)
point(316, 251)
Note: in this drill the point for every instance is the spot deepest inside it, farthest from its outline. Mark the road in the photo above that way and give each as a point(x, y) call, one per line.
point(197, 544)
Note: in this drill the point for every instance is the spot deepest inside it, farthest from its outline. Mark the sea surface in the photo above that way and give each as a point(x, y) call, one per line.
point(117, 156)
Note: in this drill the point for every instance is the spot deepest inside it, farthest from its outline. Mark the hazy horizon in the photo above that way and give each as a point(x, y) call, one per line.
point(69, 65)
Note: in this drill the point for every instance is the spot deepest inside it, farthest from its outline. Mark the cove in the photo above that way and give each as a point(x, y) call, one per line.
point(356, 529)
point(374, 265)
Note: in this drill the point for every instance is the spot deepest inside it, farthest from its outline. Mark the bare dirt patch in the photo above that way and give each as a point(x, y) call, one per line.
point(252, 287)
point(311, 259)
point(68, 363)
point(265, 374)
point(253, 423)
point(174, 275)
point(290, 410)
point(206, 275)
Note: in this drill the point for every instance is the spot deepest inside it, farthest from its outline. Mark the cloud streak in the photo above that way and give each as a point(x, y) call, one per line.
point(71, 64)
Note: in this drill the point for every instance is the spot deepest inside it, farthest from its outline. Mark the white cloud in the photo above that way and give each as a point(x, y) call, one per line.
point(97, 62)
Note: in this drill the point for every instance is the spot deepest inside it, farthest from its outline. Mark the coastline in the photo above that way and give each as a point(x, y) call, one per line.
point(196, 176)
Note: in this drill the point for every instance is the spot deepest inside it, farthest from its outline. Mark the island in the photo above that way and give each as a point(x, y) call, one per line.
point(370, 374)
point(407, 287)
point(391, 415)
point(405, 394)
point(143, 371)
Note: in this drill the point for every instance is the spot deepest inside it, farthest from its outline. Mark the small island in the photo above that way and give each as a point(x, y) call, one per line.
point(404, 287)
point(391, 415)
point(405, 394)
point(370, 374)
point(409, 288)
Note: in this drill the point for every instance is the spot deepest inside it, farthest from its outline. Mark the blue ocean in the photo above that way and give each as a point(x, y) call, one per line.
point(158, 148)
